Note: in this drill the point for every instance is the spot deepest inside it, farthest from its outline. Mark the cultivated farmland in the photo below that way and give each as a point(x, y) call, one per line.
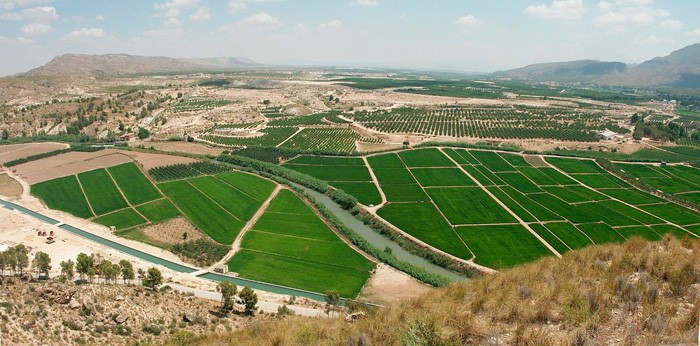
point(489, 122)
point(219, 205)
point(345, 173)
point(434, 196)
point(291, 246)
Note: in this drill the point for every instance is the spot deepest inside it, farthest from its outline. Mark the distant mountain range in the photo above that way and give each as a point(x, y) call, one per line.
point(121, 64)
point(679, 69)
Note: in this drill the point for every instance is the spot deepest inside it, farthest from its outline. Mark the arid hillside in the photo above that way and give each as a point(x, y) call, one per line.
point(637, 293)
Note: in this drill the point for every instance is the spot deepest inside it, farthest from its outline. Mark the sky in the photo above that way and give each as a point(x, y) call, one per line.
point(456, 35)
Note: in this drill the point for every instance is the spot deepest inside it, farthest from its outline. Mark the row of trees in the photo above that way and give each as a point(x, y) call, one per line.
point(16, 259)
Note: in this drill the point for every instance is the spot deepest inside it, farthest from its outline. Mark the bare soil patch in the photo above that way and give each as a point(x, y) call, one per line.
point(171, 231)
point(389, 285)
point(78, 162)
point(185, 147)
point(9, 186)
point(371, 147)
point(69, 164)
point(18, 151)
point(536, 161)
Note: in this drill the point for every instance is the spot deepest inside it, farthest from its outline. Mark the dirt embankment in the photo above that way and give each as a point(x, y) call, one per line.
point(9, 187)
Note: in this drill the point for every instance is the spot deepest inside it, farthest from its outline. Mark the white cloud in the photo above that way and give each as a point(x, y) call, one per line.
point(172, 21)
point(240, 5)
point(200, 14)
point(671, 24)
point(99, 17)
point(335, 23)
point(34, 14)
point(653, 39)
point(301, 27)
point(36, 29)
point(558, 9)
point(19, 41)
point(9, 5)
point(367, 3)
point(173, 8)
point(260, 20)
point(695, 32)
point(87, 33)
point(627, 12)
point(468, 20)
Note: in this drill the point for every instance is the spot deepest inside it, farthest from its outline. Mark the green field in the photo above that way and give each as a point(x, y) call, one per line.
point(101, 192)
point(423, 221)
point(203, 212)
point(346, 173)
point(333, 173)
point(159, 211)
point(432, 177)
point(122, 219)
point(237, 203)
point(681, 181)
point(134, 184)
point(63, 194)
point(502, 246)
point(291, 246)
point(425, 158)
point(365, 192)
point(252, 185)
point(469, 206)
point(589, 205)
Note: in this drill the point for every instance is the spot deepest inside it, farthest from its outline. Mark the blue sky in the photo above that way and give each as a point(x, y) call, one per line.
point(464, 35)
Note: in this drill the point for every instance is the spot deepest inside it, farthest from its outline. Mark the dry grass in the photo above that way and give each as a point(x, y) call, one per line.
point(639, 292)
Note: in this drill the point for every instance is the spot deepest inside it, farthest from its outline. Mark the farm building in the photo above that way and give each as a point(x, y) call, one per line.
point(127, 137)
point(606, 135)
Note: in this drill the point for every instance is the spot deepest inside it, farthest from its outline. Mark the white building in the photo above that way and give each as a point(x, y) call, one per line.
point(606, 135)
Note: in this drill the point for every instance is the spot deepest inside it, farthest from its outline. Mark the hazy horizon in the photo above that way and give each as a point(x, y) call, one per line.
point(468, 36)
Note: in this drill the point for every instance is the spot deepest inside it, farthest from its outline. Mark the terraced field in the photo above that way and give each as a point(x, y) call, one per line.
point(498, 210)
point(291, 246)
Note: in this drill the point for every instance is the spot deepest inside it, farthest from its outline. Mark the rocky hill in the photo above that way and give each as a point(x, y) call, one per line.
point(62, 313)
point(636, 293)
point(122, 64)
point(679, 69)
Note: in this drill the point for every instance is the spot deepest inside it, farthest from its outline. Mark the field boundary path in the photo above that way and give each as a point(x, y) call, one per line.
point(236, 246)
point(520, 221)
point(376, 184)
point(82, 189)
point(299, 129)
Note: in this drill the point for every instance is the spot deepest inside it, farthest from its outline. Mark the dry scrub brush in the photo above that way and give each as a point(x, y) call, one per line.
point(639, 292)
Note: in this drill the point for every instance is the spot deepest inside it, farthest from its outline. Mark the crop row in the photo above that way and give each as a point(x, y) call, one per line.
point(332, 140)
point(184, 171)
point(198, 105)
point(488, 123)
